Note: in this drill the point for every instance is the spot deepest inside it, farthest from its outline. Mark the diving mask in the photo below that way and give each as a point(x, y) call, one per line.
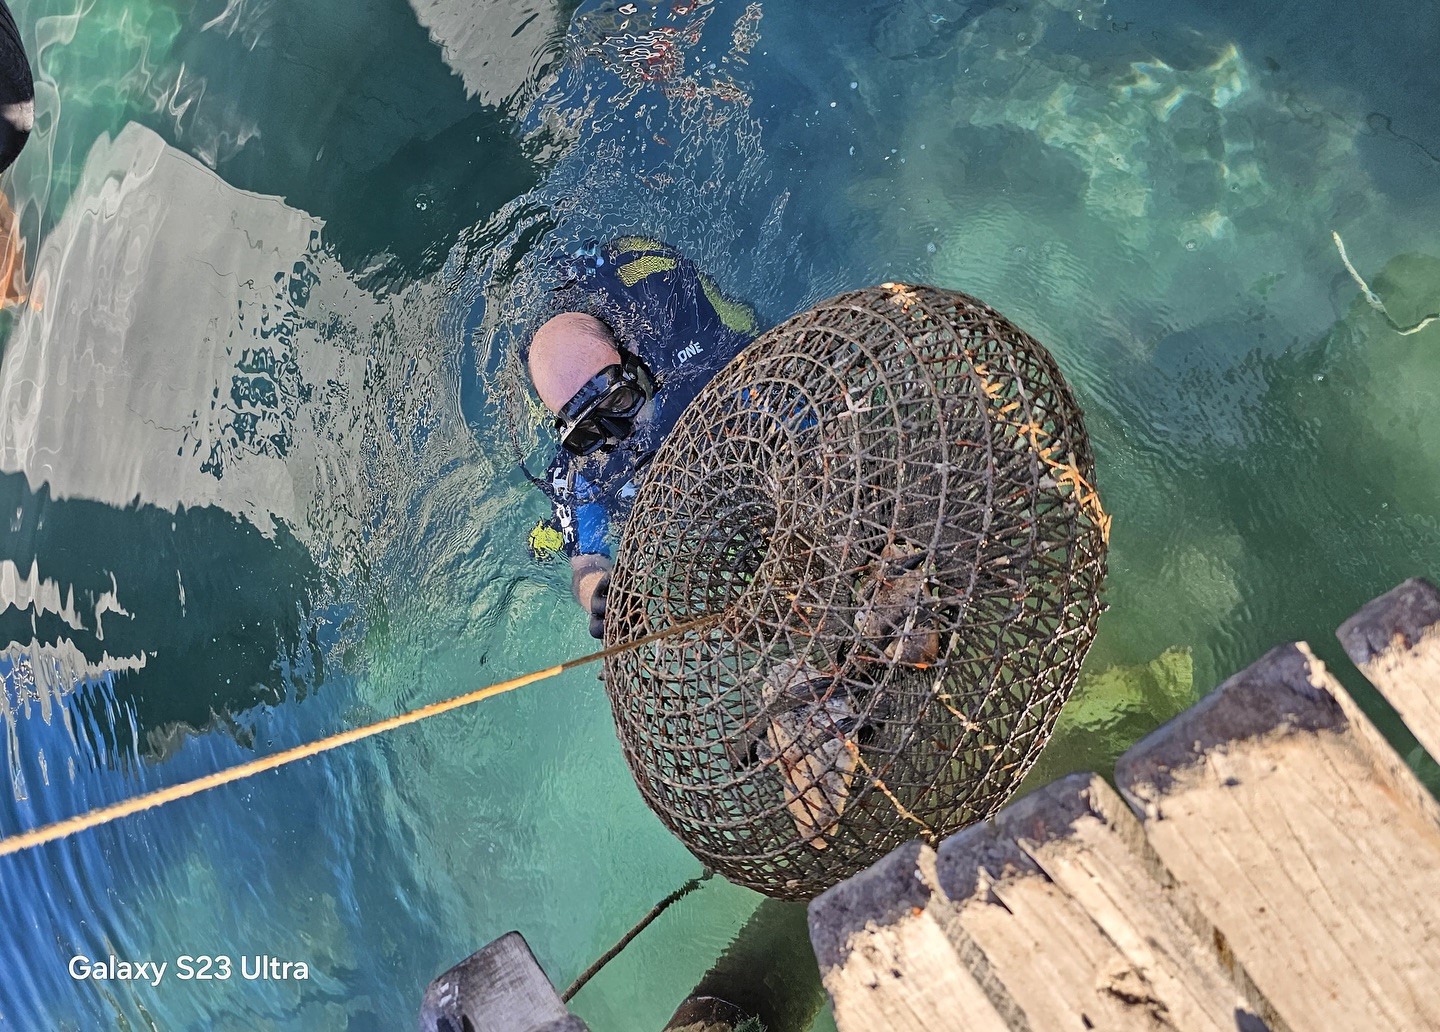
point(605, 407)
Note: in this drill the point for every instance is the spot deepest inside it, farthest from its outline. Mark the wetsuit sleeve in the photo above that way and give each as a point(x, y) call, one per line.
point(579, 510)
point(592, 522)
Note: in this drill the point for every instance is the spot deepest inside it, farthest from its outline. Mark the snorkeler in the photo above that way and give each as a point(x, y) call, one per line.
point(639, 331)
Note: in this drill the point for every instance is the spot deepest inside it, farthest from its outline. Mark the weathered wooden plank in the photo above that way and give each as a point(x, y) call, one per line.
point(886, 961)
point(1395, 641)
point(1067, 907)
point(499, 988)
point(1084, 838)
point(1305, 840)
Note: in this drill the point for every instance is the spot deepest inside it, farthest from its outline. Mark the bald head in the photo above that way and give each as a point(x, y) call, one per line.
point(565, 353)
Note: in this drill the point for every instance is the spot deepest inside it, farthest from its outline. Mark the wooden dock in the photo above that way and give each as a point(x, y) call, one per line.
point(1269, 862)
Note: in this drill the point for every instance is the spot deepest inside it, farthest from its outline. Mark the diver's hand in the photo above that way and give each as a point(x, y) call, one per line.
point(590, 580)
point(597, 607)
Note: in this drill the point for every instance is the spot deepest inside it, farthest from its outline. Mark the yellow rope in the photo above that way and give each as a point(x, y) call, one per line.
point(1067, 472)
point(900, 808)
point(105, 814)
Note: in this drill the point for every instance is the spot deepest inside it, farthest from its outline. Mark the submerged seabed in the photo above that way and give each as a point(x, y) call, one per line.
point(256, 453)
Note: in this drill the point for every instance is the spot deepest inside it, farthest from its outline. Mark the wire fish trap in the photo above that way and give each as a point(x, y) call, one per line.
point(890, 499)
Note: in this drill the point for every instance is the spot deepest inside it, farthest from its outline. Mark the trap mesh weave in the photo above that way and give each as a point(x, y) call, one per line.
point(889, 498)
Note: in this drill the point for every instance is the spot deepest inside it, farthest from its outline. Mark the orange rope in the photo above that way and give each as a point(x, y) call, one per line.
point(105, 814)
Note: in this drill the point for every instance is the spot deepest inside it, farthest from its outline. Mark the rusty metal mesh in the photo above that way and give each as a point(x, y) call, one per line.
point(889, 497)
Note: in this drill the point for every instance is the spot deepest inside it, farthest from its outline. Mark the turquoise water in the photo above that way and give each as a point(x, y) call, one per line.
point(256, 468)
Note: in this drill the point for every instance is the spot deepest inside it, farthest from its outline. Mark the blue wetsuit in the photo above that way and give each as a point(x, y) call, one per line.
point(661, 308)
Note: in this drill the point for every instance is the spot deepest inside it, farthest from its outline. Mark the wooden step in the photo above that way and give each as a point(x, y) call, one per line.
point(1305, 840)
point(1277, 866)
point(1395, 641)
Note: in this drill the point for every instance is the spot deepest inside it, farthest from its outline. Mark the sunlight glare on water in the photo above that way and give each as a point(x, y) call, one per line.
point(257, 437)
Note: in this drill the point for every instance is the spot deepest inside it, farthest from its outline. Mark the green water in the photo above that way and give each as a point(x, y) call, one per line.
point(257, 435)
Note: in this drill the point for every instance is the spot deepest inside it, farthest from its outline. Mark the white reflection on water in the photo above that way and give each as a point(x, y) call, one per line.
point(196, 346)
point(35, 680)
point(167, 365)
point(467, 35)
point(31, 591)
point(36, 676)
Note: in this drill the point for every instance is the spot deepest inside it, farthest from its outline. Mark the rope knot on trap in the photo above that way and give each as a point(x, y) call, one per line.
point(890, 498)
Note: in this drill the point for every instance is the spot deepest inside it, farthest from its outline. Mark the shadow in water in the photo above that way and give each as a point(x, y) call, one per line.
point(224, 621)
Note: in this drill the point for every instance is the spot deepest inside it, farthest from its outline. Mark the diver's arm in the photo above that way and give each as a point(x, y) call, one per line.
point(584, 528)
point(590, 561)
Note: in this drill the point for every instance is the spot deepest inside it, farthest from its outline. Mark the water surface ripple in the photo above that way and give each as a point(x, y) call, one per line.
point(258, 428)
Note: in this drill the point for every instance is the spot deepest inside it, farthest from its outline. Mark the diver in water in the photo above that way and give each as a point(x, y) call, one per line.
point(17, 118)
point(639, 331)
